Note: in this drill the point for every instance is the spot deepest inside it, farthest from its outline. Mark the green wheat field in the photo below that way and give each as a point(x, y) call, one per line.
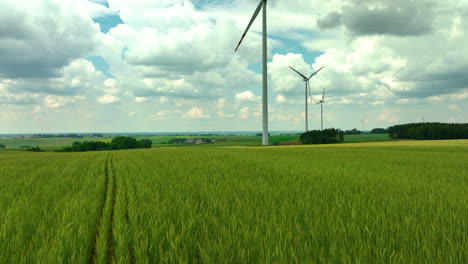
point(385, 202)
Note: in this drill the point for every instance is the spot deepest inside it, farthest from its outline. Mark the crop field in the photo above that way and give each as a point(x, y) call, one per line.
point(51, 144)
point(366, 138)
point(385, 202)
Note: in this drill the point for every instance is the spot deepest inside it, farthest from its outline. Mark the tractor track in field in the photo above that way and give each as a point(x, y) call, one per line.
point(109, 193)
point(127, 220)
point(110, 239)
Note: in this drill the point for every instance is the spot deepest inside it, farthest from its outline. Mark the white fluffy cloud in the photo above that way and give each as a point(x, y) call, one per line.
point(247, 96)
point(108, 99)
point(244, 113)
point(280, 99)
point(54, 101)
point(195, 113)
point(141, 99)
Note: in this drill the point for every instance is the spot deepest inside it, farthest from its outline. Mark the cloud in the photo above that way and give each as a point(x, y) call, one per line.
point(247, 96)
point(282, 117)
point(54, 101)
point(39, 38)
point(164, 114)
point(141, 99)
point(77, 77)
point(108, 99)
point(331, 20)
point(398, 18)
point(157, 35)
point(453, 107)
point(163, 99)
point(244, 113)
point(389, 116)
point(195, 113)
point(280, 99)
point(221, 103)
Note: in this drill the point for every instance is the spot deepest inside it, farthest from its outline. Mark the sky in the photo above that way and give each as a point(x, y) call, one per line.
point(170, 66)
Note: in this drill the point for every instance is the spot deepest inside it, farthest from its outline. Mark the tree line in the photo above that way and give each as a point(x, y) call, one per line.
point(379, 131)
point(67, 135)
point(120, 142)
point(355, 131)
point(326, 136)
point(428, 131)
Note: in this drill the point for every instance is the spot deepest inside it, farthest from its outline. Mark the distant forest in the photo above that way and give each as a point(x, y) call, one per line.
point(428, 131)
point(119, 142)
point(66, 135)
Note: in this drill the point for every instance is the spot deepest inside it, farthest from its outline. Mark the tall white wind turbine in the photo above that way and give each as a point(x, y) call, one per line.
point(307, 87)
point(322, 102)
point(263, 4)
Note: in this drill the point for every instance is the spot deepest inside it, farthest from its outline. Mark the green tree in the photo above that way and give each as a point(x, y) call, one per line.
point(326, 136)
point(122, 142)
point(145, 143)
point(2, 146)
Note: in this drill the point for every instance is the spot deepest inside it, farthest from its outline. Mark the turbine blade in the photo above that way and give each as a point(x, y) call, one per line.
point(302, 75)
point(312, 75)
point(326, 105)
point(310, 94)
point(250, 23)
point(323, 95)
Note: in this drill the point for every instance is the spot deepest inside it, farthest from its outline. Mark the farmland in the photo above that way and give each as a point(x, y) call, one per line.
point(385, 202)
point(55, 143)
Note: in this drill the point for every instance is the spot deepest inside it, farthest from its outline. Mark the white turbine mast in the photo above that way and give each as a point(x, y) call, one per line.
point(307, 89)
point(261, 5)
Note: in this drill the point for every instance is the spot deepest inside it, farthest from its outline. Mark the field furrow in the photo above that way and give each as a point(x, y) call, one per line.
point(101, 216)
point(103, 250)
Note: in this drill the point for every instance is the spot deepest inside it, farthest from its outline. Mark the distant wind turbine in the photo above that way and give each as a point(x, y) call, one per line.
point(322, 102)
point(307, 87)
point(263, 4)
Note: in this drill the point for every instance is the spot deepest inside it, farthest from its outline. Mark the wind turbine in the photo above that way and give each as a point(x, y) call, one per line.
point(263, 4)
point(307, 87)
point(322, 102)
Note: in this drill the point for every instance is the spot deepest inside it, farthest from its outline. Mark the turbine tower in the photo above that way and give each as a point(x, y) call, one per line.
point(261, 5)
point(307, 87)
point(322, 102)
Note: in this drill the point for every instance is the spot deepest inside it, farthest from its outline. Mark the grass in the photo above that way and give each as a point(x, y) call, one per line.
point(385, 202)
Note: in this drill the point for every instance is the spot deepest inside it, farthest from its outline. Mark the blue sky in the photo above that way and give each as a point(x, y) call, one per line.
point(169, 65)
